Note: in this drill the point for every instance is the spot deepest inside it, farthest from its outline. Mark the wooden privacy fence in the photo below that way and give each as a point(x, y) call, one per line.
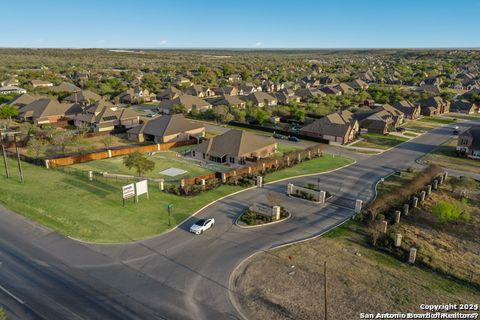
point(104, 154)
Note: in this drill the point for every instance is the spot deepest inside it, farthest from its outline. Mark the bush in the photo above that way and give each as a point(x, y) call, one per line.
point(451, 211)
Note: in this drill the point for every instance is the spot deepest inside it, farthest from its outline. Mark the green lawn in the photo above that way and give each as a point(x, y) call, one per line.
point(163, 160)
point(475, 116)
point(378, 141)
point(93, 211)
point(284, 148)
point(326, 163)
point(438, 120)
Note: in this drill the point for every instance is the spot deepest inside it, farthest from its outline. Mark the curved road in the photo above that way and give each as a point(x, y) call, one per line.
point(44, 275)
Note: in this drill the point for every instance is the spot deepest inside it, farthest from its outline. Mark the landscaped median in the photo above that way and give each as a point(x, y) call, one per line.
point(92, 210)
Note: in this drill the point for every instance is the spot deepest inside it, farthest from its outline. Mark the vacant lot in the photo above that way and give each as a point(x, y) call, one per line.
point(378, 141)
point(163, 160)
point(445, 156)
point(288, 283)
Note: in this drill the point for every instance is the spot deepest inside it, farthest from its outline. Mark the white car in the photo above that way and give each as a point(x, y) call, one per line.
point(202, 225)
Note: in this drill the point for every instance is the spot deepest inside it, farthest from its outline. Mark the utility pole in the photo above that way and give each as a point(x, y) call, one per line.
point(5, 161)
point(325, 286)
point(18, 160)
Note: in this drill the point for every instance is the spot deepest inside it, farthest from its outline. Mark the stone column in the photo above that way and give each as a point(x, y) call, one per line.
point(224, 177)
point(413, 255)
point(90, 175)
point(384, 226)
point(275, 213)
point(322, 195)
point(288, 161)
point(289, 188)
point(161, 184)
point(435, 184)
point(182, 183)
point(249, 170)
point(398, 214)
point(414, 202)
point(309, 155)
point(202, 182)
point(445, 175)
point(259, 181)
point(263, 167)
point(158, 146)
point(276, 163)
point(109, 153)
point(406, 207)
point(422, 195)
point(47, 163)
point(358, 206)
point(440, 180)
point(299, 158)
point(398, 240)
point(429, 189)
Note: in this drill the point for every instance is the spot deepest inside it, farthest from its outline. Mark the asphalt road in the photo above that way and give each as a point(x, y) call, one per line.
point(177, 275)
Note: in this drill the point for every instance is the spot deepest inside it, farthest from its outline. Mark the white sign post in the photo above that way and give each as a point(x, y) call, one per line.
point(141, 187)
point(128, 192)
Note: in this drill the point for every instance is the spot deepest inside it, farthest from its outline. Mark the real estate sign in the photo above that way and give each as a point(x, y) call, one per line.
point(128, 191)
point(141, 187)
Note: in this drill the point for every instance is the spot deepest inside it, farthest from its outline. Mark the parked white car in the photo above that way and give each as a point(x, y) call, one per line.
point(202, 225)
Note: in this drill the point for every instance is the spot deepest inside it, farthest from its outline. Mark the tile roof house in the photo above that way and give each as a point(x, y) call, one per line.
point(338, 127)
point(284, 97)
point(199, 91)
point(24, 99)
point(65, 87)
point(331, 90)
point(380, 120)
point(226, 100)
point(189, 102)
point(469, 143)
point(434, 106)
point(235, 147)
point(261, 99)
point(45, 110)
point(167, 128)
point(410, 110)
point(358, 84)
point(344, 88)
point(463, 106)
point(306, 94)
point(83, 97)
point(104, 116)
point(427, 88)
point(169, 94)
point(229, 90)
point(134, 96)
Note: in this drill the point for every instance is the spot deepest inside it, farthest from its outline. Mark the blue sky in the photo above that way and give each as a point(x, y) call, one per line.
point(240, 24)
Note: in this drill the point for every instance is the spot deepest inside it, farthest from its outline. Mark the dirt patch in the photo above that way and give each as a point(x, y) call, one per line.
point(288, 283)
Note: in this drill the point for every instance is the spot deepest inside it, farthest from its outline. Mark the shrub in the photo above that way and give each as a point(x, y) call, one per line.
point(451, 211)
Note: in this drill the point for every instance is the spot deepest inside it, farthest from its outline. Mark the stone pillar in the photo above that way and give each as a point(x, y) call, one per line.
point(422, 195)
point(289, 188)
point(322, 195)
point(358, 206)
point(234, 173)
point(288, 161)
point(182, 183)
point(259, 181)
point(263, 167)
point(384, 226)
point(413, 255)
point(429, 189)
point(414, 202)
point(90, 175)
point(109, 153)
point(398, 214)
point(158, 146)
point(202, 182)
point(398, 240)
point(161, 185)
point(299, 157)
point(445, 175)
point(276, 163)
point(309, 155)
point(47, 163)
point(406, 207)
point(275, 213)
point(435, 184)
point(249, 170)
point(224, 177)
point(440, 180)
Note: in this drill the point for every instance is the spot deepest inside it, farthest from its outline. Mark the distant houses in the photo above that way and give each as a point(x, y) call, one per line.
point(12, 90)
point(47, 111)
point(469, 143)
point(186, 101)
point(338, 128)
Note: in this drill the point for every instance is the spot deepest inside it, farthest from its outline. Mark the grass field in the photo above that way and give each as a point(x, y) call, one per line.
point(378, 141)
point(93, 211)
point(163, 160)
point(445, 155)
point(394, 182)
point(288, 283)
point(439, 120)
point(475, 116)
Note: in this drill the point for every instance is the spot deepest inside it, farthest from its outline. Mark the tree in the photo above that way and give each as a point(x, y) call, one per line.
point(107, 141)
point(462, 185)
point(179, 108)
point(62, 139)
point(36, 147)
point(8, 111)
point(139, 162)
point(447, 211)
point(83, 128)
point(82, 145)
point(3, 315)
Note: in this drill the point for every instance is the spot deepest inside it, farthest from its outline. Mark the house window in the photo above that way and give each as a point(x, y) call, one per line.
point(232, 160)
point(204, 156)
point(464, 142)
point(193, 153)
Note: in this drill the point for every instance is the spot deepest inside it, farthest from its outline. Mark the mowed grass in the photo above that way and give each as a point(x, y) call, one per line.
point(317, 165)
point(439, 120)
point(93, 211)
point(163, 160)
point(378, 141)
point(446, 156)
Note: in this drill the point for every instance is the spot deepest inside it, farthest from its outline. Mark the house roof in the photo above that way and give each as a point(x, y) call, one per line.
point(166, 125)
point(227, 100)
point(474, 132)
point(39, 82)
point(190, 102)
point(234, 143)
point(170, 93)
point(83, 96)
point(432, 101)
point(260, 97)
point(24, 99)
point(65, 87)
point(335, 124)
point(46, 107)
point(462, 105)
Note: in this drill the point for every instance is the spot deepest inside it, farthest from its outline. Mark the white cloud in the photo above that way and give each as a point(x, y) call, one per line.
point(102, 41)
point(258, 44)
point(163, 42)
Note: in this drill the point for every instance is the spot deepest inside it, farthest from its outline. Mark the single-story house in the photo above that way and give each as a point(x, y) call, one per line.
point(228, 90)
point(358, 84)
point(226, 100)
point(306, 94)
point(189, 102)
point(169, 94)
point(43, 111)
point(12, 89)
point(134, 95)
point(261, 99)
point(235, 147)
point(104, 116)
point(167, 128)
point(338, 127)
point(83, 97)
point(469, 143)
point(199, 91)
point(65, 87)
point(380, 122)
point(463, 106)
point(427, 88)
point(24, 99)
